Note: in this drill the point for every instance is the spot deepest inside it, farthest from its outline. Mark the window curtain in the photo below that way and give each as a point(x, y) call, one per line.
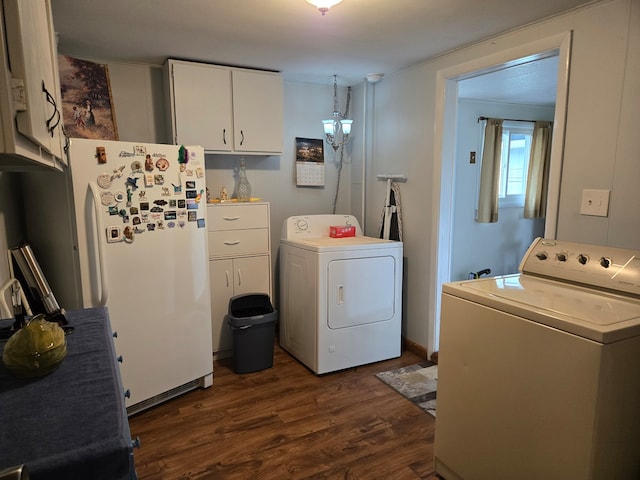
point(535, 200)
point(490, 172)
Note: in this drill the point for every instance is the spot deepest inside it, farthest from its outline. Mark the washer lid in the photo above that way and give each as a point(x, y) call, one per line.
point(593, 314)
point(328, 244)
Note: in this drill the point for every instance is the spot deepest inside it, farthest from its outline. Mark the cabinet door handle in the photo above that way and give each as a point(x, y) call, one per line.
point(241, 137)
point(226, 273)
point(231, 242)
point(239, 278)
point(224, 136)
point(230, 219)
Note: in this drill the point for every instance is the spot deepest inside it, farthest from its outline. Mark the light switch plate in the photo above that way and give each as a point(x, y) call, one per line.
point(595, 202)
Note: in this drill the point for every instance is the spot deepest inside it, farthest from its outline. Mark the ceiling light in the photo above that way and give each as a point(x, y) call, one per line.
point(338, 128)
point(324, 5)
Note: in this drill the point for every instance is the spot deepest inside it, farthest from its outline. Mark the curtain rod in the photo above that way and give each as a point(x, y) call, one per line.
point(507, 120)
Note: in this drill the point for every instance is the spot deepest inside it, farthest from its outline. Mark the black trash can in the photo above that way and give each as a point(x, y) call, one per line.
point(252, 320)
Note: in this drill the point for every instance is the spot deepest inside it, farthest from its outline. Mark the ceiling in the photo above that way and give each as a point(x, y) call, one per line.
point(355, 38)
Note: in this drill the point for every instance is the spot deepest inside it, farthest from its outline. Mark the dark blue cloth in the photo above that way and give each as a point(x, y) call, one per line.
point(70, 424)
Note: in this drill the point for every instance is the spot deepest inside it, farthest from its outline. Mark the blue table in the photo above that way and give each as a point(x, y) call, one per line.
point(72, 423)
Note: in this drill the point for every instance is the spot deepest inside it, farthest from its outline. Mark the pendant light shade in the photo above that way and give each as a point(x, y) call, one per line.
point(338, 128)
point(324, 5)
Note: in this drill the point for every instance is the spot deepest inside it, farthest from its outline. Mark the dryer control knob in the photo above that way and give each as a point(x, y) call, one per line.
point(541, 255)
point(583, 259)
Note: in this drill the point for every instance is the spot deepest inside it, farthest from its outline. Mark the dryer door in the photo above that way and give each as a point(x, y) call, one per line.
point(361, 291)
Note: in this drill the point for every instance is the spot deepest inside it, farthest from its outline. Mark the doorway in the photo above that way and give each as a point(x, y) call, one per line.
point(522, 94)
point(445, 150)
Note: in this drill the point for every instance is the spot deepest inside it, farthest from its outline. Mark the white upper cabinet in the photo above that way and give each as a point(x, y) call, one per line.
point(226, 110)
point(31, 118)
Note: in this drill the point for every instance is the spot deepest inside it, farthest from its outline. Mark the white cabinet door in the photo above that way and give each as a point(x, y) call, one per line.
point(201, 103)
point(258, 111)
point(221, 278)
point(225, 109)
point(32, 59)
point(230, 277)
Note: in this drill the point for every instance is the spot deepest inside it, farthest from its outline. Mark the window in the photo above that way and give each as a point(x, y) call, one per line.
point(514, 162)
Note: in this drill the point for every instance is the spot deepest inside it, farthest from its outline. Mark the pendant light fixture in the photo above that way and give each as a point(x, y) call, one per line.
point(338, 128)
point(324, 5)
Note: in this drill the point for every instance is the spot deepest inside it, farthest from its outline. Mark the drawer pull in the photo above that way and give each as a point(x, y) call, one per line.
point(120, 359)
point(231, 219)
point(232, 242)
point(135, 443)
point(127, 393)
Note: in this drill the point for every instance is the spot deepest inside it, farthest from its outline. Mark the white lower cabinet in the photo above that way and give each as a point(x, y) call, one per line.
point(231, 277)
point(239, 261)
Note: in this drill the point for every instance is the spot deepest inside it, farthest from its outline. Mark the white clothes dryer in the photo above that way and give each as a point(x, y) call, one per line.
point(539, 372)
point(340, 298)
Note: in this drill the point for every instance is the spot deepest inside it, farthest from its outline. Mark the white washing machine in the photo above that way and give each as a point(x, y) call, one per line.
point(539, 372)
point(340, 298)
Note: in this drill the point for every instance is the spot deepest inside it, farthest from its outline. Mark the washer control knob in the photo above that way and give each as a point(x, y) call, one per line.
point(583, 259)
point(541, 255)
point(605, 262)
point(562, 257)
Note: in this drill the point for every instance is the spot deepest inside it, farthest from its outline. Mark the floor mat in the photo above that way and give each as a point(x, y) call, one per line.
point(418, 383)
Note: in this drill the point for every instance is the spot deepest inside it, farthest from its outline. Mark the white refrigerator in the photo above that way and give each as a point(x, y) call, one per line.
point(135, 242)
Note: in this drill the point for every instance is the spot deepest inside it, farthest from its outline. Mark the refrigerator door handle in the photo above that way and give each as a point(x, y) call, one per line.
point(99, 261)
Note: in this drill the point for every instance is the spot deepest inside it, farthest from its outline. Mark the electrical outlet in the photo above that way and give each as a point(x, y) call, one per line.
point(595, 202)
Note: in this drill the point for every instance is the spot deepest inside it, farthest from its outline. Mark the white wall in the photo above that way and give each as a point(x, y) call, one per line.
point(599, 153)
point(498, 246)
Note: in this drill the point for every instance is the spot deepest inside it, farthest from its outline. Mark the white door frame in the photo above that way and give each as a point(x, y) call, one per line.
point(444, 149)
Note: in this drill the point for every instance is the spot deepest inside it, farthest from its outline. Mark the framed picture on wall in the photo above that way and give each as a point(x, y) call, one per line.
point(87, 105)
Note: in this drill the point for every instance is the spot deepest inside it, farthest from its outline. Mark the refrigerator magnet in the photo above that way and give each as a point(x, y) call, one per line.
point(136, 167)
point(190, 184)
point(148, 163)
point(132, 182)
point(199, 172)
point(128, 235)
point(107, 198)
point(101, 154)
point(117, 173)
point(114, 234)
point(162, 164)
point(119, 197)
point(149, 180)
point(104, 180)
point(158, 179)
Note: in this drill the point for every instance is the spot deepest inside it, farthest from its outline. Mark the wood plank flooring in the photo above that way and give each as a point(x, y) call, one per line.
point(287, 423)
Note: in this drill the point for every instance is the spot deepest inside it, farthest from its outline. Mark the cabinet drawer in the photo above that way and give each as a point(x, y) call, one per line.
point(236, 217)
point(238, 242)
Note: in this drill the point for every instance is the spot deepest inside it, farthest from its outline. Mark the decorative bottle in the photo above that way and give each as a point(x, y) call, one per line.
point(244, 187)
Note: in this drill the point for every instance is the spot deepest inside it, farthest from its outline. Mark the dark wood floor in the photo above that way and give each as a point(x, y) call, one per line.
point(287, 423)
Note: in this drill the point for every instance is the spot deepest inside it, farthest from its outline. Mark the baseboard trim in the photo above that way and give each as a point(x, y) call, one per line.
point(419, 350)
point(415, 348)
